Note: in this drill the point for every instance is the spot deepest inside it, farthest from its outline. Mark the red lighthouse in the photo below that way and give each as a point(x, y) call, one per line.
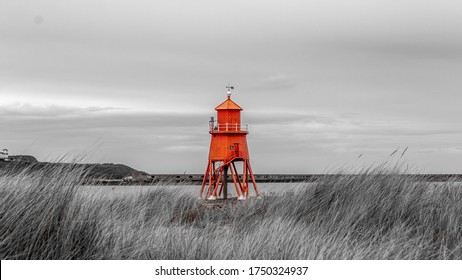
point(228, 152)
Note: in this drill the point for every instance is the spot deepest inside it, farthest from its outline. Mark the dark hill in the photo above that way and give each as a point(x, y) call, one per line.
point(24, 159)
point(94, 170)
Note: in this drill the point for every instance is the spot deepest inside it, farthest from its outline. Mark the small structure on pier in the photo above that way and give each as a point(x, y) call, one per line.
point(228, 152)
point(4, 155)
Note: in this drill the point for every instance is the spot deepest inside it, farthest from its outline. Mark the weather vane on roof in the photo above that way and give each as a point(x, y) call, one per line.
point(229, 88)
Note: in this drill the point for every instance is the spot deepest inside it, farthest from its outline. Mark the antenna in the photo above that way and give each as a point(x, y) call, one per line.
point(229, 88)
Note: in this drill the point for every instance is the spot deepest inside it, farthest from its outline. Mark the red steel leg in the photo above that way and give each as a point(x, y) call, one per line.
point(234, 179)
point(206, 174)
point(253, 179)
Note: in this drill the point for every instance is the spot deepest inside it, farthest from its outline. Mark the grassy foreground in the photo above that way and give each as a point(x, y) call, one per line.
point(375, 215)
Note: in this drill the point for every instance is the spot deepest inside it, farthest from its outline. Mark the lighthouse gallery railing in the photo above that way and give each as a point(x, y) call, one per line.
point(228, 127)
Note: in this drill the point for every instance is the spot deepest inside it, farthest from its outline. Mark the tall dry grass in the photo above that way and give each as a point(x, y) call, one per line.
point(374, 215)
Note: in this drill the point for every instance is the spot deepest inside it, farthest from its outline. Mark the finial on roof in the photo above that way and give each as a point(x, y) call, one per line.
point(229, 88)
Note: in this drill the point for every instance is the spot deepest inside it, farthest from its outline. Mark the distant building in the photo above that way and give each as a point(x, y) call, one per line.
point(127, 179)
point(4, 155)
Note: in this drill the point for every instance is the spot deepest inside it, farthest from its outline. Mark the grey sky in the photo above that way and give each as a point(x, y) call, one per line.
point(321, 82)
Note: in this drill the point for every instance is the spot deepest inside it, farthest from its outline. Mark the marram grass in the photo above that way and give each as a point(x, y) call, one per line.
point(46, 214)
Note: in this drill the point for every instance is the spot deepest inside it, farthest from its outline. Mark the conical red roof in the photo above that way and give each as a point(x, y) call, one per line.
point(228, 105)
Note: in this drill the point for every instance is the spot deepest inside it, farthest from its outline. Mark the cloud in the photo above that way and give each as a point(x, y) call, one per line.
point(185, 148)
point(415, 50)
point(27, 110)
point(274, 82)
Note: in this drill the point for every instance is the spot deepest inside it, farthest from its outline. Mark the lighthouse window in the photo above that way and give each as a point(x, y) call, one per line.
point(231, 147)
